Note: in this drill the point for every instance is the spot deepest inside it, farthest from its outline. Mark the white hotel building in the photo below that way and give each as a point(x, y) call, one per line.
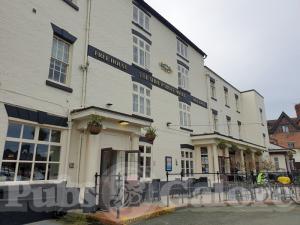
point(62, 61)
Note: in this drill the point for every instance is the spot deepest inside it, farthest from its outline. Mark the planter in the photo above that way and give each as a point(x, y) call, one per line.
point(150, 138)
point(95, 128)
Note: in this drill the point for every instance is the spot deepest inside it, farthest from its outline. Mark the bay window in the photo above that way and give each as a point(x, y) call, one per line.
point(185, 114)
point(141, 99)
point(183, 77)
point(141, 52)
point(31, 153)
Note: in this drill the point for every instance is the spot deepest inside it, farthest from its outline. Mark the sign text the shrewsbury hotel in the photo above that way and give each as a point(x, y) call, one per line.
point(146, 76)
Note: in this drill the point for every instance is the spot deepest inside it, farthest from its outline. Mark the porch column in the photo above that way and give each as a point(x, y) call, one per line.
point(216, 161)
point(227, 161)
point(253, 161)
point(243, 169)
point(288, 165)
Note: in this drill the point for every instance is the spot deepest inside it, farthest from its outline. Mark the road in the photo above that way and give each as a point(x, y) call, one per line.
point(272, 215)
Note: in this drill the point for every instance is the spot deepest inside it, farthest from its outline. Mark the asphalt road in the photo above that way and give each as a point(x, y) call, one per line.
point(272, 215)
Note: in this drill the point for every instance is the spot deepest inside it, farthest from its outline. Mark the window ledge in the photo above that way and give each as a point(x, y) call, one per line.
point(186, 129)
point(72, 4)
point(139, 26)
point(59, 86)
point(183, 58)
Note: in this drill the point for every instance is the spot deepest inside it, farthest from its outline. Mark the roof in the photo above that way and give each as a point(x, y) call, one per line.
point(164, 21)
point(279, 149)
point(273, 124)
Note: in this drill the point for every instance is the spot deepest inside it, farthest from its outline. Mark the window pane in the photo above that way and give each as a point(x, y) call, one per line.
point(148, 93)
point(141, 18)
point(28, 132)
point(44, 134)
point(135, 103)
point(41, 153)
point(54, 154)
point(53, 171)
point(27, 151)
point(141, 148)
point(14, 130)
point(55, 136)
point(148, 167)
point(142, 57)
point(24, 171)
point(39, 172)
point(135, 54)
point(147, 26)
point(135, 88)
point(10, 150)
point(148, 107)
point(142, 105)
point(148, 149)
point(142, 90)
point(7, 172)
point(135, 14)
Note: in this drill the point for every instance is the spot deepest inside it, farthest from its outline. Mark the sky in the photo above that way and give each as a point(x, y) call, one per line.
point(253, 44)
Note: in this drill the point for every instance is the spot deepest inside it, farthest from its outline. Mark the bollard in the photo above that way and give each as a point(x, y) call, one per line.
point(168, 203)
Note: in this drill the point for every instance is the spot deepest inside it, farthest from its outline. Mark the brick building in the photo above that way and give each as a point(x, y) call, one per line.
point(285, 132)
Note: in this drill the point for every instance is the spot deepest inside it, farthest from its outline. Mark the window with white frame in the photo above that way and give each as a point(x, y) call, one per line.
point(141, 52)
point(228, 120)
point(276, 162)
point(226, 94)
point(141, 18)
point(213, 89)
point(141, 99)
point(215, 120)
point(182, 49)
point(291, 144)
point(185, 114)
point(145, 161)
point(285, 129)
point(187, 162)
point(183, 77)
point(59, 62)
point(204, 160)
point(31, 153)
point(237, 103)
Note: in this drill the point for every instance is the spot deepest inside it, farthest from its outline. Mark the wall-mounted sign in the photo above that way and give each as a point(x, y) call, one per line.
point(165, 67)
point(168, 163)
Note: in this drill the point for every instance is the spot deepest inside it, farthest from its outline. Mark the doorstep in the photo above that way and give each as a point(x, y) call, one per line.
point(131, 214)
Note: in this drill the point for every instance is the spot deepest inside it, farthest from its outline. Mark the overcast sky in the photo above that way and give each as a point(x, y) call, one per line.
point(253, 44)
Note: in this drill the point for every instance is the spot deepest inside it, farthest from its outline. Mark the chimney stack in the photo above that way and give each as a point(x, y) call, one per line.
point(297, 108)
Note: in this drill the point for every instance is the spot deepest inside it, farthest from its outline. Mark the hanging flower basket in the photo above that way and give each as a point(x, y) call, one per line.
point(248, 151)
point(95, 125)
point(151, 134)
point(222, 145)
point(259, 153)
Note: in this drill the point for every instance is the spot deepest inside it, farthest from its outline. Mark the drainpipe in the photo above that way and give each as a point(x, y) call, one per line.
point(68, 145)
point(85, 65)
point(208, 102)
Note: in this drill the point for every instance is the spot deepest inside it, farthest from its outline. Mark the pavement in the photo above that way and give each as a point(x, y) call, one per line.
point(258, 215)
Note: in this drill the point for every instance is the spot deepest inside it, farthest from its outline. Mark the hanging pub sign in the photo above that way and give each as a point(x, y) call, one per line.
point(168, 162)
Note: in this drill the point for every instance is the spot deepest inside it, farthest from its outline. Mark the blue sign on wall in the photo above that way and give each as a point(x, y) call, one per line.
point(168, 164)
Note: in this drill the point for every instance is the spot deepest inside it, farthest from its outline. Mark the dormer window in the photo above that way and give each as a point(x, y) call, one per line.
point(285, 129)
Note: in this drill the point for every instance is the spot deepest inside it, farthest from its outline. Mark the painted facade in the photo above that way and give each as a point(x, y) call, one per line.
point(123, 61)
